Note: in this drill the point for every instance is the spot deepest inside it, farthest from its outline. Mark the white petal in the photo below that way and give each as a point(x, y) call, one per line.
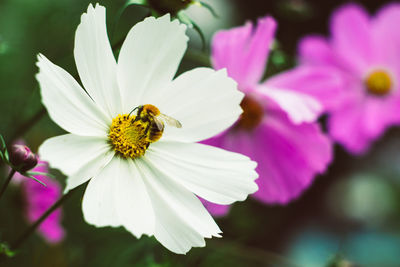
point(149, 59)
point(67, 103)
point(70, 152)
point(95, 60)
point(181, 220)
point(99, 203)
point(133, 203)
point(298, 106)
point(89, 170)
point(205, 101)
point(214, 174)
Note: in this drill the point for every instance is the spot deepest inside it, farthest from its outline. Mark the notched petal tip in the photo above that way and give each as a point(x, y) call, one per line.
point(175, 22)
point(94, 8)
point(167, 17)
point(267, 19)
point(267, 23)
point(40, 60)
point(224, 73)
point(92, 11)
point(347, 11)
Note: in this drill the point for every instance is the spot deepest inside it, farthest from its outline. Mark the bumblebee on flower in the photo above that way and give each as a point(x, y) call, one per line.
point(143, 174)
point(132, 135)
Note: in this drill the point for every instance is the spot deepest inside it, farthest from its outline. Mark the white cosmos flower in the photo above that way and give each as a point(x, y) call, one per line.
point(154, 193)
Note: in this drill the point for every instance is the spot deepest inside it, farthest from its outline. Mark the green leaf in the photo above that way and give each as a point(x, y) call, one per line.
point(41, 173)
point(188, 21)
point(4, 150)
point(122, 10)
point(136, 2)
point(4, 249)
point(278, 58)
point(37, 180)
point(2, 143)
point(209, 7)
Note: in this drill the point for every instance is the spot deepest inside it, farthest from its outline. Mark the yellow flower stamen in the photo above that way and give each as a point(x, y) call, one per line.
point(129, 137)
point(378, 82)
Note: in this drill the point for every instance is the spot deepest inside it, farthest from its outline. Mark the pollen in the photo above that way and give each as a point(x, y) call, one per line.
point(379, 83)
point(252, 115)
point(128, 137)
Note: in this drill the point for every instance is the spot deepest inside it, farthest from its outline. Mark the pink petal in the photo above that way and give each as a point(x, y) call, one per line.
point(323, 83)
point(215, 209)
point(39, 199)
point(289, 156)
point(357, 124)
point(316, 50)
point(378, 115)
point(387, 37)
point(298, 106)
point(351, 37)
point(244, 52)
point(345, 127)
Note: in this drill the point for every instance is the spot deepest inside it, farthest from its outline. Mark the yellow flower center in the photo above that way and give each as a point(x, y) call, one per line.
point(378, 82)
point(252, 115)
point(129, 136)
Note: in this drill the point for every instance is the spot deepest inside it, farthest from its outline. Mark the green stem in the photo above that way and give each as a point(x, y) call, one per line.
point(4, 187)
point(197, 56)
point(29, 123)
point(33, 227)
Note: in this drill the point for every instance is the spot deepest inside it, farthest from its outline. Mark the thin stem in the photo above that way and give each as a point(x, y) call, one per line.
point(29, 123)
point(4, 187)
point(197, 56)
point(33, 227)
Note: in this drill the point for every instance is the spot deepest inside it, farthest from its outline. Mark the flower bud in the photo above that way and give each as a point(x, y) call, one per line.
point(22, 158)
point(169, 6)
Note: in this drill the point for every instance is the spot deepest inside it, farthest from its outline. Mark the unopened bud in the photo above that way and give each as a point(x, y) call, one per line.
point(22, 158)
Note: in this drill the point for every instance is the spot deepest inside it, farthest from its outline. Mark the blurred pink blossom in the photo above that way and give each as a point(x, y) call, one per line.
point(363, 52)
point(278, 127)
point(38, 199)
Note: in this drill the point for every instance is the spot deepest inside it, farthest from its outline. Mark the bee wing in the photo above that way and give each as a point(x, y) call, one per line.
point(170, 121)
point(159, 124)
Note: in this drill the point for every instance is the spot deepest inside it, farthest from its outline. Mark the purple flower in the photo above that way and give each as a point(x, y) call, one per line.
point(39, 199)
point(363, 53)
point(277, 128)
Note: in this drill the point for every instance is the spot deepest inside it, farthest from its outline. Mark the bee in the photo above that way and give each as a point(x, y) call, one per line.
point(153, 121)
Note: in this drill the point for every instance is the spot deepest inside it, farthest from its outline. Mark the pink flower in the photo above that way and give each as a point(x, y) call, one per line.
point(39, 199)
point(363, 53)
point(277, 128)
